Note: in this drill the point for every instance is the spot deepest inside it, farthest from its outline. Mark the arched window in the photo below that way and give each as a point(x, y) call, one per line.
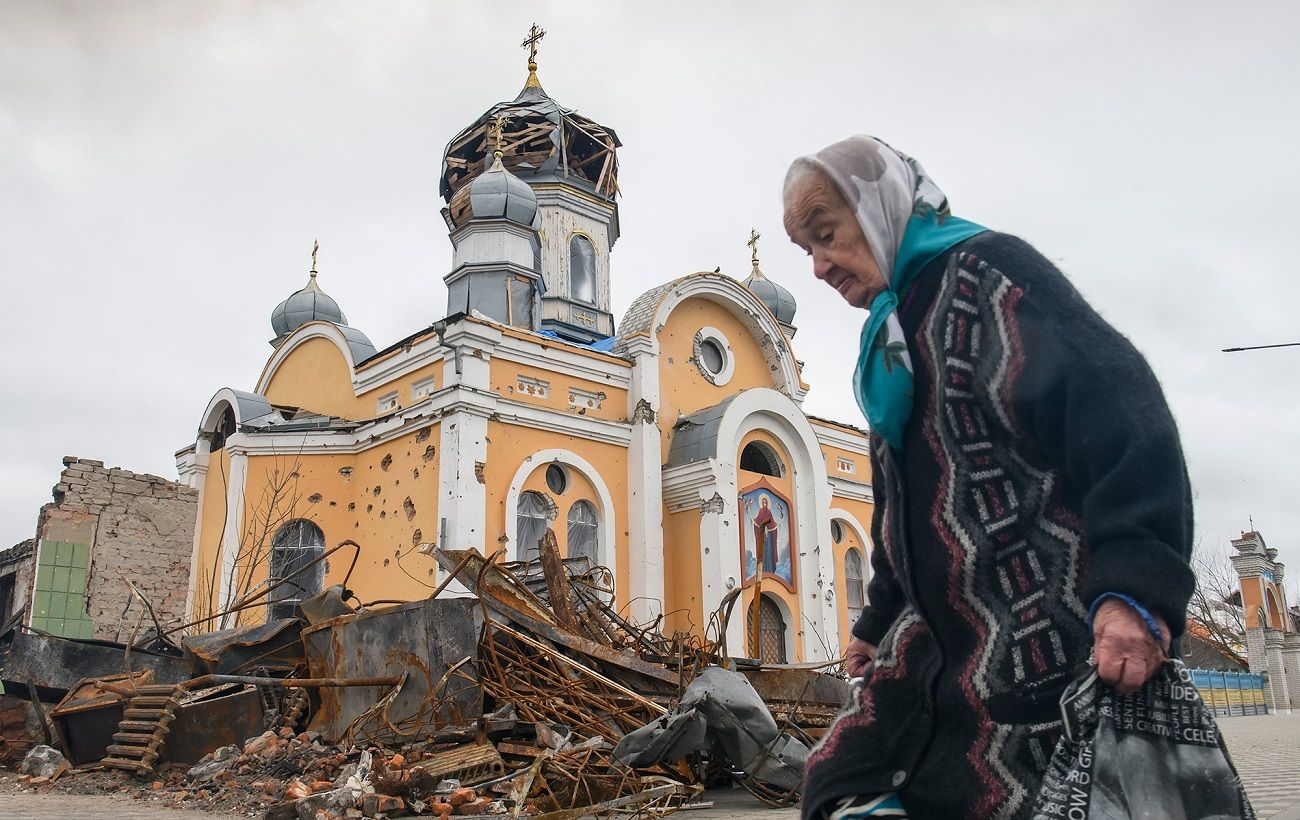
point(771, 631)
point(533, 520)
point(582, 269)
point(759, 457)
point(583, 528)
point(226, 428)
point(294, 546)
point(853, 577)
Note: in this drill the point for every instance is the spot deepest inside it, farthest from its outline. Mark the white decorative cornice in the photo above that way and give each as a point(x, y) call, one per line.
point(854, 490)
point(688, 486)
point(843, 439)
point(534, 417)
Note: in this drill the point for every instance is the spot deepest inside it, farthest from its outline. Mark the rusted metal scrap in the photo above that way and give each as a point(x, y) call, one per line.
point(544, 684)
point(511, 601)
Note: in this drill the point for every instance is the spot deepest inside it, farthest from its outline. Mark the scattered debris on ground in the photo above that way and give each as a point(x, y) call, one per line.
point(532, 696)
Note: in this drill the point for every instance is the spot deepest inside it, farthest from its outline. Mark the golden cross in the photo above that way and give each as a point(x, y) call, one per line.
point(535, 35)
point(498, 131)
point(753, 245)
point(315, 246)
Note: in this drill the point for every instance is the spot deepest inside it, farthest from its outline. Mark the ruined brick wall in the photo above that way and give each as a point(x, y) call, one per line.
point(137, 526)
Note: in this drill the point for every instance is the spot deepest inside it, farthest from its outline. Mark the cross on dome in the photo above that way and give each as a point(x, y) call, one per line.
point(535, 35)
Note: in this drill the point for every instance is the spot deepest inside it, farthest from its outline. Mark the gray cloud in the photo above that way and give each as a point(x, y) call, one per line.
point(164, 168)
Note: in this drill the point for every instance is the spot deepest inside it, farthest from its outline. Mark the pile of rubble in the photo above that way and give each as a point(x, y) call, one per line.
point(529, 696)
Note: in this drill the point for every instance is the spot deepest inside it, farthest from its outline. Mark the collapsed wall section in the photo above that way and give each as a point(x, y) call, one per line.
point(105, 526)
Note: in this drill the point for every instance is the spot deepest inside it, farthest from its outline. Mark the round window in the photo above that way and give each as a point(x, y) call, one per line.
point(556, 479)
point(837, 532)
point(711, 356)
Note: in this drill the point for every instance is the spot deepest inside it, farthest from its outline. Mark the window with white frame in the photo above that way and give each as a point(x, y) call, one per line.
point(854, 588)
point(386, 402)
point(294, 546)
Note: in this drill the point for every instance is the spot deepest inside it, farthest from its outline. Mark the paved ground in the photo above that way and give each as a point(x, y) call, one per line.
point(51, 806)
point(1266, 751)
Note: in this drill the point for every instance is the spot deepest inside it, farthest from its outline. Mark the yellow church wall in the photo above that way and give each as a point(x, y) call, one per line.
point(683, 577)
point(504, 381)
point(861, 512)
point(851, 540)
point(315, 375)
point(508, 447)
point(784, 484)
point(208, 567)
point(337, 492)
point(404, 387)
point(682, 388)
point(395, 486)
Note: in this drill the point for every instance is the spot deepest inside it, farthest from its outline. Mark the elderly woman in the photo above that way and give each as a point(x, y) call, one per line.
point(1032, 504)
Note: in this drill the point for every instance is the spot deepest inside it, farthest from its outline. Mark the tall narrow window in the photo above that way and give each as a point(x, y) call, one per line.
point(583, 527)
point(771, 631)
point(582, 270)
point(532, 523)
point(853, 578)
point(294, 546)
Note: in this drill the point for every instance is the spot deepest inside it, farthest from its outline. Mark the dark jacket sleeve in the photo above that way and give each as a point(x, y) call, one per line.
point(1090, 403)
point(884, 596)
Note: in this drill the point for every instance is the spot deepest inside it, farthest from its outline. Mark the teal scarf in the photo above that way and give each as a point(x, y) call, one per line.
point(905, 220)
point(882, 380)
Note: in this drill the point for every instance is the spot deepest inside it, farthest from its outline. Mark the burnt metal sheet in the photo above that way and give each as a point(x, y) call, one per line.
point(421, 639)
point(275, 646)
point(791, 683)
point(55, 665)
point(226, 717)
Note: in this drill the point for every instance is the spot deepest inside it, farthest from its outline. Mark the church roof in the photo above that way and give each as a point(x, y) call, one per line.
point(309, 304)
point(542, 141)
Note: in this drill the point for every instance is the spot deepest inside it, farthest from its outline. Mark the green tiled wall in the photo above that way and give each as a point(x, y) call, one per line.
point(59, 603)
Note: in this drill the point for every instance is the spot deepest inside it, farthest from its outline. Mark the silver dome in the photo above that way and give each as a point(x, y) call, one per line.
point(499, 194)
point(778, 300)
point(307, 305)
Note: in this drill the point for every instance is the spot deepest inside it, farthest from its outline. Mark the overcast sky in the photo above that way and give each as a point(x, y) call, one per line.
point(164, 168)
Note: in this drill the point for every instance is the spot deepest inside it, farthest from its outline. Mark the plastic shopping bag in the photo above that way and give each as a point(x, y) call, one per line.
point(1155, 754)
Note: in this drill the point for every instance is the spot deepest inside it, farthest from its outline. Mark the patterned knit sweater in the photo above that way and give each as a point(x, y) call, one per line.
point(1040, 468)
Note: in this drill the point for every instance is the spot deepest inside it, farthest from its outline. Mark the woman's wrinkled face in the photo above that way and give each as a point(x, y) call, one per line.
point(819, 220)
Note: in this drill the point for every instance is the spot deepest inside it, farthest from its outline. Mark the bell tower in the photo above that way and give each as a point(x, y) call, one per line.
point(570, 162)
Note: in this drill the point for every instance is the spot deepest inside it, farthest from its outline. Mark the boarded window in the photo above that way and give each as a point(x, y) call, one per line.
point(771, 632)
point(583, 531)
point(294, 546)
point(582, 270)
point(533, 519)
point(854, 590)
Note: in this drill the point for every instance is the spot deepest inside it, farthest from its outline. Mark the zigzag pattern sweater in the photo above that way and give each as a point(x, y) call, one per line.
point(1041, 467)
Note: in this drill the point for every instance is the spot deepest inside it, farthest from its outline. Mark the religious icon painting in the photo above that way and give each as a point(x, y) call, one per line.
point(766, 534)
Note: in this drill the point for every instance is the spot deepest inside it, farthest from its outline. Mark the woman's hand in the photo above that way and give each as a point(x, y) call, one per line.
point(1123, 648)
point(858, 656)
